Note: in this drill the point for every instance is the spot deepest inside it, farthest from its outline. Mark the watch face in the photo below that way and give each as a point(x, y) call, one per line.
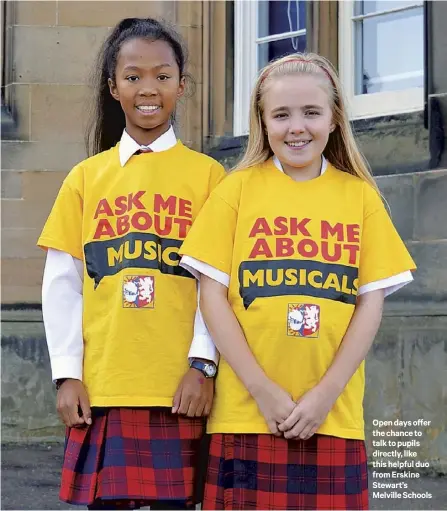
point(210, 370)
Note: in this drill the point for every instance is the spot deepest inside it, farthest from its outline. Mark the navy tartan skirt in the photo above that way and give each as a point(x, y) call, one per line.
point(250, 471)
point(136, 454)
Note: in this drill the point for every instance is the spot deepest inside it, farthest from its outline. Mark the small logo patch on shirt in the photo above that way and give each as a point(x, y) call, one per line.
point(303, 320)
point(138, 292)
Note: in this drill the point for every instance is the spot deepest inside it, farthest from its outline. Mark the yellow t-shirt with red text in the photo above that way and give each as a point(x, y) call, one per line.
point(127, 224)
point(296, 253)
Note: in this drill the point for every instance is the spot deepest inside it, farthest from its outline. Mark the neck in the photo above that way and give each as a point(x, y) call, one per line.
point(306, 173)
point(147, 136)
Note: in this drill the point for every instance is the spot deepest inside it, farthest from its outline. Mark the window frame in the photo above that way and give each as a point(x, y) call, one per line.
point(363, 106)
point(246, 42)
point(7, 121)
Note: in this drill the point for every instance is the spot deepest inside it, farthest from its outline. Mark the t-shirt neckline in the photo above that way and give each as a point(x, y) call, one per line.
point(309, 182)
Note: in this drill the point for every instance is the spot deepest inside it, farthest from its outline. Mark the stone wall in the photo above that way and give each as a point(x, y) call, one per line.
point(406, 370)
point(52, 47)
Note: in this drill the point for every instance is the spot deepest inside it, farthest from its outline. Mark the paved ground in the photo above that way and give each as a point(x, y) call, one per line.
point(30, 479)
point(30, 476)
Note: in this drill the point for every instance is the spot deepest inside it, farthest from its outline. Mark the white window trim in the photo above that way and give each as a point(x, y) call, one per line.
point(368, 105)
point(246, 59)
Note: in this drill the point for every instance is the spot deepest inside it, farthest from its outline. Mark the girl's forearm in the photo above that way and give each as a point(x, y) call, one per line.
point(228, 336)
point(356, 342)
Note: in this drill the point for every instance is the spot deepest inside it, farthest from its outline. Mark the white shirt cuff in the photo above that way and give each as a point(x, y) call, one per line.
point(390, 284)
point(66, 367)
point(202, 346)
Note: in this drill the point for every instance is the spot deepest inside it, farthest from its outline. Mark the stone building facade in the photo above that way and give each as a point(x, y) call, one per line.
point(398, 107)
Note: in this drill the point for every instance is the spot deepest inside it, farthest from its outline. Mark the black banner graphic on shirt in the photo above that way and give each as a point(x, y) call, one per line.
point(260, 279)
point(135, 250)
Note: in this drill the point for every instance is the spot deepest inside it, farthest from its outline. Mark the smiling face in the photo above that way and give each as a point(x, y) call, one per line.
point(147, 84)
point(298, 119)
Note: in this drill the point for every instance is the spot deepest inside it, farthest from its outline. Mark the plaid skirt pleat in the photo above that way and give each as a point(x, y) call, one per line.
point(249, 471)
point(140, 454)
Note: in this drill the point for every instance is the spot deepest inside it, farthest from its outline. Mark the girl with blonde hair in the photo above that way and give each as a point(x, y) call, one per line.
point(292, 288)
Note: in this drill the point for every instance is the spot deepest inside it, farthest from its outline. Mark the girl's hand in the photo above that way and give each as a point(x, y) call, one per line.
point(312, 409)
point(309, 413)
point(71, 397)
point(194, 395)
point(274, 403)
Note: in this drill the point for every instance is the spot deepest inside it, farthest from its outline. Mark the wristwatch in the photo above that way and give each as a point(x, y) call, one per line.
point(208, 369)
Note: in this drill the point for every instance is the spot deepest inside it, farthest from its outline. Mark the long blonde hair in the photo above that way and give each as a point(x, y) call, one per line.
point(341, 150)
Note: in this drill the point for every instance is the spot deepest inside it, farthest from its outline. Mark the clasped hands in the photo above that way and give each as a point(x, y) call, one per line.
point(293, 420)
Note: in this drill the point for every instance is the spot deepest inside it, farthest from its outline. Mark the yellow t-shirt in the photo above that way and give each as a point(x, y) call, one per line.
point(127, 224)
point(296, 253)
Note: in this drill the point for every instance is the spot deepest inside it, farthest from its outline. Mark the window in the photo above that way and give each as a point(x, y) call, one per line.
point(382, 56)
point(3, 41)
point(264, 30)
point(7, 123)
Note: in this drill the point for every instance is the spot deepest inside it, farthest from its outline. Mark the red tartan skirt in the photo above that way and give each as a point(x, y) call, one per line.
point(268, 472)
point(140, 454)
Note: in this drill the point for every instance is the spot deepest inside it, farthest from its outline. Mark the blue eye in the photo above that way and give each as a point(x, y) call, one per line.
point(280, 116)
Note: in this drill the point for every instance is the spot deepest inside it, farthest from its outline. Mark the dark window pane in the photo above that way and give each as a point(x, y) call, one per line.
point(277, 17)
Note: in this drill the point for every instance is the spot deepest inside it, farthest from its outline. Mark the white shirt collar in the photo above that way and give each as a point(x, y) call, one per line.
point(128, 146)
point(323, 164)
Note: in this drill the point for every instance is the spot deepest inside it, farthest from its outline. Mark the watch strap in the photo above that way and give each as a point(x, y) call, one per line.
point(200, 366)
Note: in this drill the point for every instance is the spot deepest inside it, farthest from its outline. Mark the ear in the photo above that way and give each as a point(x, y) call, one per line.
point(181, 87)
point(113, 89)
point(332, 128)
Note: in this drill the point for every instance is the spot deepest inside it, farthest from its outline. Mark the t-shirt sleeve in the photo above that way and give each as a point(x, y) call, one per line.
point(383, 254)
point(63, 228)
point(217, 173)
point(211, 237)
